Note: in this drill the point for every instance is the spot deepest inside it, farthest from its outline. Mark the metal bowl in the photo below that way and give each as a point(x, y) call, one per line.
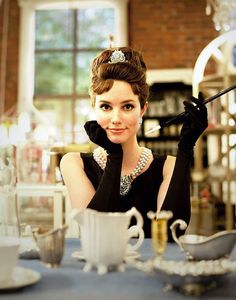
point(200, 247)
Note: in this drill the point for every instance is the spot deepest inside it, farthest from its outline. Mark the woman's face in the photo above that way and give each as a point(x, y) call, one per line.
point(118, 112)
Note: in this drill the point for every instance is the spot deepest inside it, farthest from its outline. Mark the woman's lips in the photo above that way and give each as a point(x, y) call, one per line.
point(116, 130)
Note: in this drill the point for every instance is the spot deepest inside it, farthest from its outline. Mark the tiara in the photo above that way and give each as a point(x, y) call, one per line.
point(117, 56)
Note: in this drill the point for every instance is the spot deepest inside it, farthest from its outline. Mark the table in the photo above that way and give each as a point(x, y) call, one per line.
point(71, 282)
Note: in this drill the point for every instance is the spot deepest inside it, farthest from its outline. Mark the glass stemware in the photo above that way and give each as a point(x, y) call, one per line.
point(159, 235)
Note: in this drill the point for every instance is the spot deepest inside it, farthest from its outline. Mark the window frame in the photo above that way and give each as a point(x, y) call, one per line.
point(27, 38)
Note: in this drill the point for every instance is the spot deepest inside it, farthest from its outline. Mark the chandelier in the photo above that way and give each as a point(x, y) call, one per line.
point(224, 16)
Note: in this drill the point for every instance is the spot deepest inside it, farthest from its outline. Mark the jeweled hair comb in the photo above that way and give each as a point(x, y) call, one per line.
point(117, 56)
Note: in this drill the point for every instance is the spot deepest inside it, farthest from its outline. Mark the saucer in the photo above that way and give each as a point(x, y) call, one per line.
point(21, 277)
point(193, 277)
point(129, 255)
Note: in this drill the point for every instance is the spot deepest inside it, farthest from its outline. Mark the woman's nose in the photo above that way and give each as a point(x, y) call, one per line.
point(116, 118)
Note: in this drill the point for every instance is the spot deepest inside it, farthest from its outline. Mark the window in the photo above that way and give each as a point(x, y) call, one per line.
point(66, 41)
point(66, 36)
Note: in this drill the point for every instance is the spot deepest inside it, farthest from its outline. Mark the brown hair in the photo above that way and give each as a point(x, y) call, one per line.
point(133, 71)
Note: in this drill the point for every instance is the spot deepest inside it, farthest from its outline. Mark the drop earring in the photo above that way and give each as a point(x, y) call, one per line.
point(140, 121)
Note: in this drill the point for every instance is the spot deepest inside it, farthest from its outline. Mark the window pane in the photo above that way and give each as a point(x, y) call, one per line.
point(33, 210)
point(83, 110)
point(54, 29)
point(60, 115)
point(83, 113)
point(83, 70)
point(53, 73)
point(94, 27)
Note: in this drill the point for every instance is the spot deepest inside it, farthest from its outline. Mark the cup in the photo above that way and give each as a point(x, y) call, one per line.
point(105, 237)
point(9, 247)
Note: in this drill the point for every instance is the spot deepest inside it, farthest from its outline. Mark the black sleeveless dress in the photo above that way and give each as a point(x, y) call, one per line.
point(144, 190)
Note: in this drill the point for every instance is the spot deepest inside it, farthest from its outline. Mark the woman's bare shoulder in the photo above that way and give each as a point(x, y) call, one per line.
point(71, 159)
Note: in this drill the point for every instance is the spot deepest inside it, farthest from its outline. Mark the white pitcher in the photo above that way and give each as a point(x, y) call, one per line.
point(105, 236)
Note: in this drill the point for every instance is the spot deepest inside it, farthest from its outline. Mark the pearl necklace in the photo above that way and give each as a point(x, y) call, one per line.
point(100, 156)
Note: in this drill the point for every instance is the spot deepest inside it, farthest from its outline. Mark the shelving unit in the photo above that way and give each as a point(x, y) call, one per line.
point(221, 142)
point(165, 101)
point(220, 136)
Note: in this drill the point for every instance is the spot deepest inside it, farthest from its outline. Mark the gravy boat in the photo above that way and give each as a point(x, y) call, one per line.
point(199, 247)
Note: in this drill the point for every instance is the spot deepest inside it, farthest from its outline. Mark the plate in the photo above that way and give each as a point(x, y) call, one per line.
point(129, 255)
point(193, 277)
point(21, 277)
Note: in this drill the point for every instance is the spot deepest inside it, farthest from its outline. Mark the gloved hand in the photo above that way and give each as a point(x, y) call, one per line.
point(107, 196)
point(98, 136)
point(195, 122)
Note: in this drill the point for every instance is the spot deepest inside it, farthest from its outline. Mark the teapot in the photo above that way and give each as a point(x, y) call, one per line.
point(105, 237)
point(199, 247)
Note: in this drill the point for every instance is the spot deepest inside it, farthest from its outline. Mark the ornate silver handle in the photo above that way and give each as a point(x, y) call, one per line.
point(182, 225)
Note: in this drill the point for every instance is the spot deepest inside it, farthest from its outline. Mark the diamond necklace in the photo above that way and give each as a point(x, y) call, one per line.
point(100, 156)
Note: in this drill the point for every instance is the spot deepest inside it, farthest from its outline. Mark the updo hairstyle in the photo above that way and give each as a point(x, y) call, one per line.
point(133, 71)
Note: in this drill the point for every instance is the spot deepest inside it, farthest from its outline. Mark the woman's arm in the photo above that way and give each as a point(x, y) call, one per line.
point(177, 197)
point(80, 188)
point(107, 195)
point(174, 193)
point(168, 169)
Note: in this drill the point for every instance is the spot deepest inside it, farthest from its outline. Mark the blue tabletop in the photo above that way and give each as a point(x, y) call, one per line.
point(69, 281)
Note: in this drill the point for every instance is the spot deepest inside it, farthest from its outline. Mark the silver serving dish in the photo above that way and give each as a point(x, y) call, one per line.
point(200, 247)
point(193, 277)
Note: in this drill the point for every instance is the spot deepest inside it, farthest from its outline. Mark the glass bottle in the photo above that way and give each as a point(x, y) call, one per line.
point(9, 222)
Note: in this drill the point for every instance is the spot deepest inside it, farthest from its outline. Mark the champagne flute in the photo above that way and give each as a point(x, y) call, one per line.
point(159, 235)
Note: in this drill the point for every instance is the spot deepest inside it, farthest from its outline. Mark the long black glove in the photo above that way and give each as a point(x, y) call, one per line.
point(195, 123)
point(107, 194)
point(178, 194)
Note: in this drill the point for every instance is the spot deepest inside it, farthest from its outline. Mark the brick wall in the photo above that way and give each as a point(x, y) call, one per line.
point(170, 33)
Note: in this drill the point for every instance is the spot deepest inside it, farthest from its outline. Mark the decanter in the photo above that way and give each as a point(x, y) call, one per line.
point(9, 222)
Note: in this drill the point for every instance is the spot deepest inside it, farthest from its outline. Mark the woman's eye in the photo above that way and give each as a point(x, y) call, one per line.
point(105, 107)
point(128, 107)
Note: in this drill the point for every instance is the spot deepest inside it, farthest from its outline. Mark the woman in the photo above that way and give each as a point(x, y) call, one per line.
point(120, 174)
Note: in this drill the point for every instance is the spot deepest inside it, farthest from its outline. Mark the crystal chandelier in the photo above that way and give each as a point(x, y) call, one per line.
point(224, 16)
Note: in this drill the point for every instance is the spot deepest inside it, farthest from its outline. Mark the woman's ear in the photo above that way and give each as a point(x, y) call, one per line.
point(144, 108)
